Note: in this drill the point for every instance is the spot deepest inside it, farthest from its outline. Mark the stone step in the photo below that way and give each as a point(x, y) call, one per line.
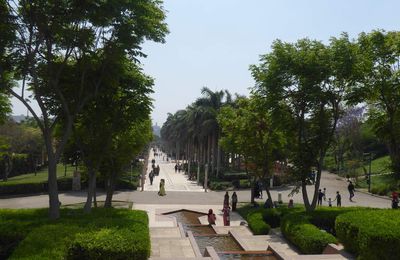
point(165, 232)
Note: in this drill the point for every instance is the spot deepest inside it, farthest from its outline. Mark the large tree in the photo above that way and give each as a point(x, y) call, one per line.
point(250, 130)
point(57, 43)
point(379, 87)
point(305, 84)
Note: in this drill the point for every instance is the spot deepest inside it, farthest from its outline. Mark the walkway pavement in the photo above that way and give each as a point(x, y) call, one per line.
point(174, 181)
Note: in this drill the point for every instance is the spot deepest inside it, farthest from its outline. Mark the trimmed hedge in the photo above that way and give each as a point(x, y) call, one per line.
point(272, 217)
point(257, 224)
point(296, 227)
point(110, 244)
point(371, 234)
point(103, 234)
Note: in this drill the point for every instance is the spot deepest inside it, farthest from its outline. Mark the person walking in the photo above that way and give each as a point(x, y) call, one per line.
point(162, 188)
point(351, 189)
point(338, 199)
point(151, 177)
point(158, 169)
point(320, 197)
point(176, 168)
point(234, 201)
point(226, 200)
point(324, 192)
point(226, 216)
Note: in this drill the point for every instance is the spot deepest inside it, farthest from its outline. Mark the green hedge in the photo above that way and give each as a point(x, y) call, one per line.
point(110, 244)
point(272, 217)
point(103, 234)
point(257, 224)
point(371, 234)
point(296, 227)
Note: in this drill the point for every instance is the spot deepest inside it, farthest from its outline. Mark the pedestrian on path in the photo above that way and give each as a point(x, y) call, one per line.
point(226, 216)
point(395, 200)
point(351, 190)
point(211, 217)
point(151, 177)
point(320, 197)
point(176, 168)
point(234, 201)
point(226, 200)
point(338, 199)
point(330, 202)
point(162, 188)
point(324, 192)
point(158, 169)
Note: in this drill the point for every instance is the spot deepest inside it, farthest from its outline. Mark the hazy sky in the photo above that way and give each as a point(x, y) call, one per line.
point(213, 42)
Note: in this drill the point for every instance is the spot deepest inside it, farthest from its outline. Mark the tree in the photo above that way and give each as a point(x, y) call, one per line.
point(120, 105)
point(250, 130)
point(58, 43)
point(125, 146)
point(379, 87)
point(304, 84)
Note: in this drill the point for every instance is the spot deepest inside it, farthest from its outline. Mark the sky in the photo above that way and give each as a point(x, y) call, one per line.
point(213, 42)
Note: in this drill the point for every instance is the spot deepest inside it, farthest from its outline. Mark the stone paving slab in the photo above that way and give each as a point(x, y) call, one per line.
point(162, 232)
point(171, 248)
point(243, 230)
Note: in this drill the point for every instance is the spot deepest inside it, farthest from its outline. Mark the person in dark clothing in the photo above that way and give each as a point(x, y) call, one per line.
point(256, 191)
point(338, 199)
point(234, 201)
point(320, 197)
point(351, 190)
point(176, 167)
point(226, 200)
point(151, 177)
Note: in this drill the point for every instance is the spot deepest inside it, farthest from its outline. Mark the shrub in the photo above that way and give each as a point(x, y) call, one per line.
point(308, 238)
point(109, 232)
point(110, 244)
point(371, 234)
point(272, 217)
point(324, 218)
point(257, 224)
point(46, 242)
point(220, 185)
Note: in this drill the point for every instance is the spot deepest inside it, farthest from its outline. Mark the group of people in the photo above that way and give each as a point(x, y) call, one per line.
point(226, 210)
point(178, 167)
point(322, 196)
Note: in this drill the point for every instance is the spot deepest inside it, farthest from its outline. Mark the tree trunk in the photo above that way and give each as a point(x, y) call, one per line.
point(91, 189)
point(54, 203)
point(109, 191)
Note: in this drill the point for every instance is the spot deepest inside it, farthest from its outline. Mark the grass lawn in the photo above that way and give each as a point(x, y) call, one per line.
point(103, 234)
point(41, 176)
point(378, 166)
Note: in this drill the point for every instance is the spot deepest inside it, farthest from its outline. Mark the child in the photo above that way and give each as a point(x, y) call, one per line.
point(330, 202)
point(324, 192)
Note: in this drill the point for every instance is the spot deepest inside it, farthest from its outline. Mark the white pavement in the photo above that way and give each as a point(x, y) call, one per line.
point(174, 181)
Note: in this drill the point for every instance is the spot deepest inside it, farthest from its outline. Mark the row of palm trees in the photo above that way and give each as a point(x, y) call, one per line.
point(192, 134)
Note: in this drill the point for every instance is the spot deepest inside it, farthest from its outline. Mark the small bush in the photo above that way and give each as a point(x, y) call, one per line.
point(371, 234)
point(257, 224)
point(308, 238)
point(272, 217)
point(220, 185)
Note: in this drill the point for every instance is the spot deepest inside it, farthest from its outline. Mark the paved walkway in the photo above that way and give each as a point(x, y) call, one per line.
point(174, 181)
point(182, 191)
